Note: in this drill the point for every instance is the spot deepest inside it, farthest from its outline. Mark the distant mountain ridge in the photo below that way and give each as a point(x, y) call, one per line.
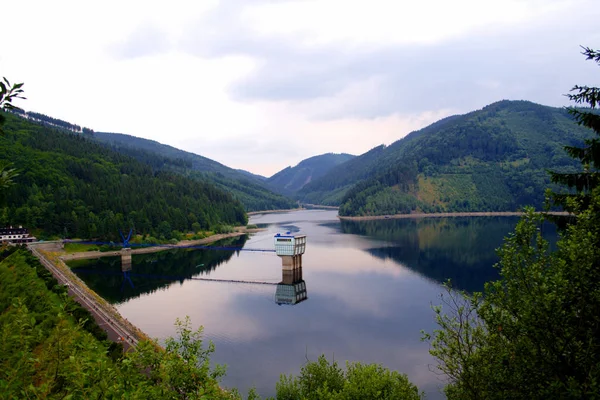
point(249, 188)
point(493, 159)
point(291, 179)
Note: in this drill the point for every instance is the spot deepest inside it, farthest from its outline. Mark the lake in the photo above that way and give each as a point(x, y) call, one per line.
point(370, 286)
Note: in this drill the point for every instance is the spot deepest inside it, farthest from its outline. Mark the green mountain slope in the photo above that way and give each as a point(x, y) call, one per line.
point(494, 159)
point(292, 179)
point(71, 186)
point(249, 188)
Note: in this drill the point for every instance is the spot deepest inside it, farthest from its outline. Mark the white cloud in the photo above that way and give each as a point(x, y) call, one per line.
point(383, 21)
point(261, 85)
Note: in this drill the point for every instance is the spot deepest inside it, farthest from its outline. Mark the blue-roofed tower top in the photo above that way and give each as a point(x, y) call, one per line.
point(289, 244)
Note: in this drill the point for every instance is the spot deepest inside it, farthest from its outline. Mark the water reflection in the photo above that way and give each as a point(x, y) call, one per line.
point(120, 279)
point(459, 249)
point(292, 288)
point(119, 282)
point(372, 284)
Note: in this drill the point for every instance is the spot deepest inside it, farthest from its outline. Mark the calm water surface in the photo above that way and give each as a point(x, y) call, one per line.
point(370, 285)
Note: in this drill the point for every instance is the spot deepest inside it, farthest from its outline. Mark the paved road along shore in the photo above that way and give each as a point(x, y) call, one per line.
point(108, 319)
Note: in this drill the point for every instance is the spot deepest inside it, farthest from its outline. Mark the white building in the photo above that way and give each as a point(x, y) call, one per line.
point(15, 235)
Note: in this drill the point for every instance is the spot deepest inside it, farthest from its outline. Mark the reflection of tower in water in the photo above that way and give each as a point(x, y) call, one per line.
point(126, 259)
point(292, 288)
point(126, 266)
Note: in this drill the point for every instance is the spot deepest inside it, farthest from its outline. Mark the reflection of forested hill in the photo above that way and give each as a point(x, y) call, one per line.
point(438, 265)
point(459, 249)
point(151, 272)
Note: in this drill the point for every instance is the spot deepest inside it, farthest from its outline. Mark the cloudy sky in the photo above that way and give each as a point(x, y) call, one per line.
point(263, 84)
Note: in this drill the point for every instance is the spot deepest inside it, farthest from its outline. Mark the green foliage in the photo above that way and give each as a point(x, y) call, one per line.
point(46, 120)
point(291, 179)
point(8, 93)
point(249, 189)
point(582, 181)
point(7, 176)
point(223, 229)
point(73, 187)
point(386, 194)
point(79, 247)
point(40, 338)
point(254, 195)
point(46, 352)
point(323, 380)
point(341, 176)
point(494, 159)
point(533, 334)
point(183, 369)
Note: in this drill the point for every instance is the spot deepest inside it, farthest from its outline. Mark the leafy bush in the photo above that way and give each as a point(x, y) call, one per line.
point(220, 229)
point(323, 380)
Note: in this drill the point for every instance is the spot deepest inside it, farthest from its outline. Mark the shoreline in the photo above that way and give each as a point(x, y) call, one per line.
point(303, 208)
point(320, 207)
point(274, 211)
point(446, 215)
point(83, 255)
point(107, 316)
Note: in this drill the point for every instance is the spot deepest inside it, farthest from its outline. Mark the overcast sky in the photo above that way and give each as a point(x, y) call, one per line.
point(263, 84)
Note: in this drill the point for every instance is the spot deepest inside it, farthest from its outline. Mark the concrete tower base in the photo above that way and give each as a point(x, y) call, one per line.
point(290, 263)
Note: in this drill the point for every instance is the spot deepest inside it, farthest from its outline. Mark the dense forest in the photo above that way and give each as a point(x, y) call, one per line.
point(47, 120)
point(252, 190)
point(291, 179)
point(70, 186)
point(494, 159)
point(50, 347)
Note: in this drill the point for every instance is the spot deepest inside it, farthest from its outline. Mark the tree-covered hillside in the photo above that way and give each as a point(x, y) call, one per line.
point(291, 179)
point(52, 348)
point(494, 159)
point(250, 189)
point(71, 186)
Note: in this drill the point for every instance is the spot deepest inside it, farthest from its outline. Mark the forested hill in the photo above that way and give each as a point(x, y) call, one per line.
point(494, 159)
point(250, 189)
point(292, 179)
point(71, 186)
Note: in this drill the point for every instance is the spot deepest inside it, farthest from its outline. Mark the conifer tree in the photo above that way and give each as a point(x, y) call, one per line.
point(585, 181)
